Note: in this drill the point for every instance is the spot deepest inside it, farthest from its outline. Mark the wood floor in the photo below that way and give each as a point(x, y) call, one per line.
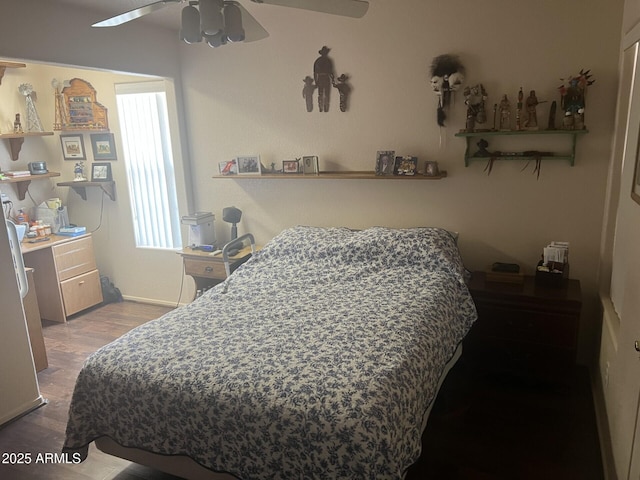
point(482, 427)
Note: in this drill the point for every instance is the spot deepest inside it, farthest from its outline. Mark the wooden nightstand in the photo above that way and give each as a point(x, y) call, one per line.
point(524, 329)
point(207, 269)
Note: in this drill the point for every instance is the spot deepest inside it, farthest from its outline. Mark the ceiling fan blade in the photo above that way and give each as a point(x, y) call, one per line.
point(133, 14)
point(346, 8)
point(253, 31)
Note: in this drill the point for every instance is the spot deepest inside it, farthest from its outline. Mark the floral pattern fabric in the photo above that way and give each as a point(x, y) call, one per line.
point(317, 358)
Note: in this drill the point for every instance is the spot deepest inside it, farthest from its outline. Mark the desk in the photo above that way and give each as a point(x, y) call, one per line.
point(66, 277)
point(207, 269)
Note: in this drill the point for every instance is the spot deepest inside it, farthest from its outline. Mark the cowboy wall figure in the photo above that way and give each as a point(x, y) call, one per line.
point(323, 74)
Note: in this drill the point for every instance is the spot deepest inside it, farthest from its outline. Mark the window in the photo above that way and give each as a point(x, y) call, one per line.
point(146, 140)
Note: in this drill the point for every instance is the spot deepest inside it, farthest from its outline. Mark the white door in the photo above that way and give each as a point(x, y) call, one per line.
point(625, 287)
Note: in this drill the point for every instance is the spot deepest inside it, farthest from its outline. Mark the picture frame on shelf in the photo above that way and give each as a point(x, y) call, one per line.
point(310, 165)
point(405, 166)
point(385, 162)
point(73, 147)
point(103, 146)
point(431, 169)
point(291, 166)
point(101, 172)
point(228, 167)
point(249, 165)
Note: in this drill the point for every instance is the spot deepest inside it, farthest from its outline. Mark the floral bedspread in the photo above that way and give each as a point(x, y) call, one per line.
point(318, 358)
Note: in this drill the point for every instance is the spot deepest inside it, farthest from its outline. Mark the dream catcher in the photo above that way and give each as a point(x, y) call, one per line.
point(447, 74)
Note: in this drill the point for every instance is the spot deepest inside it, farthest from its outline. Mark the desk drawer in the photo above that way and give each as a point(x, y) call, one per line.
point(74, 258)
point(80, 292)
point(204, 268)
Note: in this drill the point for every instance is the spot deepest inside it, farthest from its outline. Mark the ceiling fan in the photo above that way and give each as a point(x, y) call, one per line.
point(220, 21)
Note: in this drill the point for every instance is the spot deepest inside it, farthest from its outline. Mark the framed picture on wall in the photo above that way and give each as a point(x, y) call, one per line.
point(228, 167)
point(291, 166)
point(103, 146)
point(73, 147)
point(310, 165)
point(385, 162)
point(249, 165)
point(101, 172)
point(405, 165)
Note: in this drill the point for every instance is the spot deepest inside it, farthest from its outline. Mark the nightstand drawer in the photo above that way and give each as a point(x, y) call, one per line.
point(204, 268)
point(527, 326)
point(74, 258)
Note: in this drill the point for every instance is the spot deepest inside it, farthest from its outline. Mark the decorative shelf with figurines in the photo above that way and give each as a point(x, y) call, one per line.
point(572, 105)
point(80, 182)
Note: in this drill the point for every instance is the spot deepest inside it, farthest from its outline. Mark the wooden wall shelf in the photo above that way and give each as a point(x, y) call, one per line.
point(570, 156)
point(5, 65)
point(333, 176)
point(22, 183)
point(17, 139)
point(81, 188)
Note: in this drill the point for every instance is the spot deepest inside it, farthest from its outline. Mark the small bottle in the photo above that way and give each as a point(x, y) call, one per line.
point(22, 217)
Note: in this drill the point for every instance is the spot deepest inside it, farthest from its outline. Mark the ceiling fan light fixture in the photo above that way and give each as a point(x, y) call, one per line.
point(233, 23)
point(190, 27)
point(216, 40)
point(211, 19)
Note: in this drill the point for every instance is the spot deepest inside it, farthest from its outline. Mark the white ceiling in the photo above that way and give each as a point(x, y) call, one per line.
point(169, 17)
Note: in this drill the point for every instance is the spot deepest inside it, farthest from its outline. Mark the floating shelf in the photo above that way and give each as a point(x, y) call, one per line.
point(22, 182)
point(81, 188)
point(520, 156)
point(333, 176)
point(17, 139)
point(5, 65)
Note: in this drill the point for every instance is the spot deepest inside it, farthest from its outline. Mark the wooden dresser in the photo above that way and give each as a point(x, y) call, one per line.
point(524, 329)
point(66, 276)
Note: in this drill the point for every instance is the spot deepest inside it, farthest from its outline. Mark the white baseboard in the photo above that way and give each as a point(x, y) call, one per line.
point(152, 301)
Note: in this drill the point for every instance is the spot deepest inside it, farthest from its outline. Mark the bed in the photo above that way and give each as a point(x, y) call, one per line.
point(319, 357)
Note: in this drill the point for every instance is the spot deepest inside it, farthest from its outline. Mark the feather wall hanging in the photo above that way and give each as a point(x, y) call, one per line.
point(447, 75)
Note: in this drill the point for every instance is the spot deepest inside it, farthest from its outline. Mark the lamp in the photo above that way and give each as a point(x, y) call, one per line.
point(232, 215)
point(216, 40)
point(233, 23)
point(211, 20)
point(190, 27)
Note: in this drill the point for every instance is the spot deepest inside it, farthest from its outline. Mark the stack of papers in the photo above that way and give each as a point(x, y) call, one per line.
point(555, 256)
point(18, 173)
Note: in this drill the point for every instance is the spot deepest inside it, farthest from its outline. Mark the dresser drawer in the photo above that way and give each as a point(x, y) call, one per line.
point(74, 258)
point(204, 268)
point(554, 329)
point(531, 359)
point(80, 292)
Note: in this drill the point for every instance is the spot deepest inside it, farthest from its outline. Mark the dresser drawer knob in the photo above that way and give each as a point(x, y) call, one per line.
point(208, 269)
point(637, 345)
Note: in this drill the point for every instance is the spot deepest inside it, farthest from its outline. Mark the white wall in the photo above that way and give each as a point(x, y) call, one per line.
point(247, 99)
point(57, 35)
